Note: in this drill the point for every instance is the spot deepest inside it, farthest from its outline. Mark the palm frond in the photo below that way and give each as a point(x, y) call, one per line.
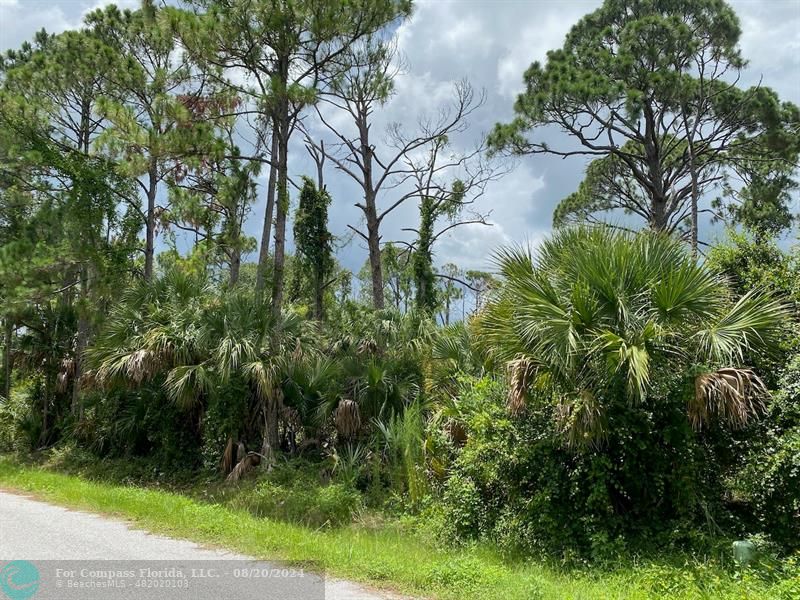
point(186, 384)
point(582, 420)
point(520, 373)
point(588, 316)
point(347, 419)
point(752, 323)
point(733, 396)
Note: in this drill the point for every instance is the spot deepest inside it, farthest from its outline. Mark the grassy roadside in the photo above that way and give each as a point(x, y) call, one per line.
point(388, 558)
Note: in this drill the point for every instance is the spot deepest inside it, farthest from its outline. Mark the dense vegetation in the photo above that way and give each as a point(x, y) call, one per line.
point(610, 393)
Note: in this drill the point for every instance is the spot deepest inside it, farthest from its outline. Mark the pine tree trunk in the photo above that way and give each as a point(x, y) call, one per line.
point(658, 196)
point(236, 263)
point(374, 244)
point(7, 362)
point(263, 254)
point(280, 237)
point(149, 249)
point(236, 248)
point(281, 213)
point(694, 217)
point(45, 404)
point(658, 216)
point(319, 294)
point(81, 343)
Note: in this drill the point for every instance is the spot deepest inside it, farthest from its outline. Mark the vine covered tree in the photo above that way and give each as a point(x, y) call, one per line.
point(422, 258)
point(313, 241)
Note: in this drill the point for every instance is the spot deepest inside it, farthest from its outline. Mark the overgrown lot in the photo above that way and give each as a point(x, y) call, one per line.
point(394, 553)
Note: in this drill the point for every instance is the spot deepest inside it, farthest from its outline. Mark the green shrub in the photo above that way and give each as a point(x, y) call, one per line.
point(789, 578)
point(226, 417)
point(142, 423)
point(20, 427)
point(770, 479)
point(653, 484)
point(465, 506)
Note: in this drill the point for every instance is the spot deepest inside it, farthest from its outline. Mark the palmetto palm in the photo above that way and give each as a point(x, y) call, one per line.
point(379, 354)
point(598, 316)
point(454, 352)
point(197, 338)
point(182, 327)
point(45, 347)
point(360, 329)
point(154, 328)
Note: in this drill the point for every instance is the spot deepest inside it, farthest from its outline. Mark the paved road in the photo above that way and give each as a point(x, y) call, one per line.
point(96, 555)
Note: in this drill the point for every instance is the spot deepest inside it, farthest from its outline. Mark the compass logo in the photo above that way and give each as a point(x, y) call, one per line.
point(19, 579)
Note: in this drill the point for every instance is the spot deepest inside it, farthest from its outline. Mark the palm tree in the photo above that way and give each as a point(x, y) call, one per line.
point(46, 351)
point(454, 352)
point(152, 330)
point(380, 355)
point(197, 338)
point(598, 316)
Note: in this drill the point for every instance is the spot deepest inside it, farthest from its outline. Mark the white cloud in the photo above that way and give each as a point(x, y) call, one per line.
point(532, 44)
point(771, 43)
point(511, 203)
point(468, 34)
point(20, 19)
point(18, 23)
point(470, 246)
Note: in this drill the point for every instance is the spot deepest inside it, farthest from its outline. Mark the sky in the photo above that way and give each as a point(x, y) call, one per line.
point(490, 43)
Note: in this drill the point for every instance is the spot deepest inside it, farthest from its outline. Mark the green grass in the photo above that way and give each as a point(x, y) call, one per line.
point(389, 557)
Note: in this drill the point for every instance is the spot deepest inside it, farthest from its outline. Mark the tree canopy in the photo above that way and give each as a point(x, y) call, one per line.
point(648, 89)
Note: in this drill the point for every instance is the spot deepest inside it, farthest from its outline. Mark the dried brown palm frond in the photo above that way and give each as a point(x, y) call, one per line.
point(368, 346)
point(309, 442)
point(456, 432)
point(734, 396)
point(347, 418)
point(244, 466)
point(62, 382)
point(297, 354)
point(68, 366)
point(88, 380)
point(521, 372)
point(228, 457)
point(65, 375)
point(262, 376)
point(582, 420)
point(140, 365)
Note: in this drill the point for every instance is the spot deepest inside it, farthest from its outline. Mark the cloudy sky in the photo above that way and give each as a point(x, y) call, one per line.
point(489, 42)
